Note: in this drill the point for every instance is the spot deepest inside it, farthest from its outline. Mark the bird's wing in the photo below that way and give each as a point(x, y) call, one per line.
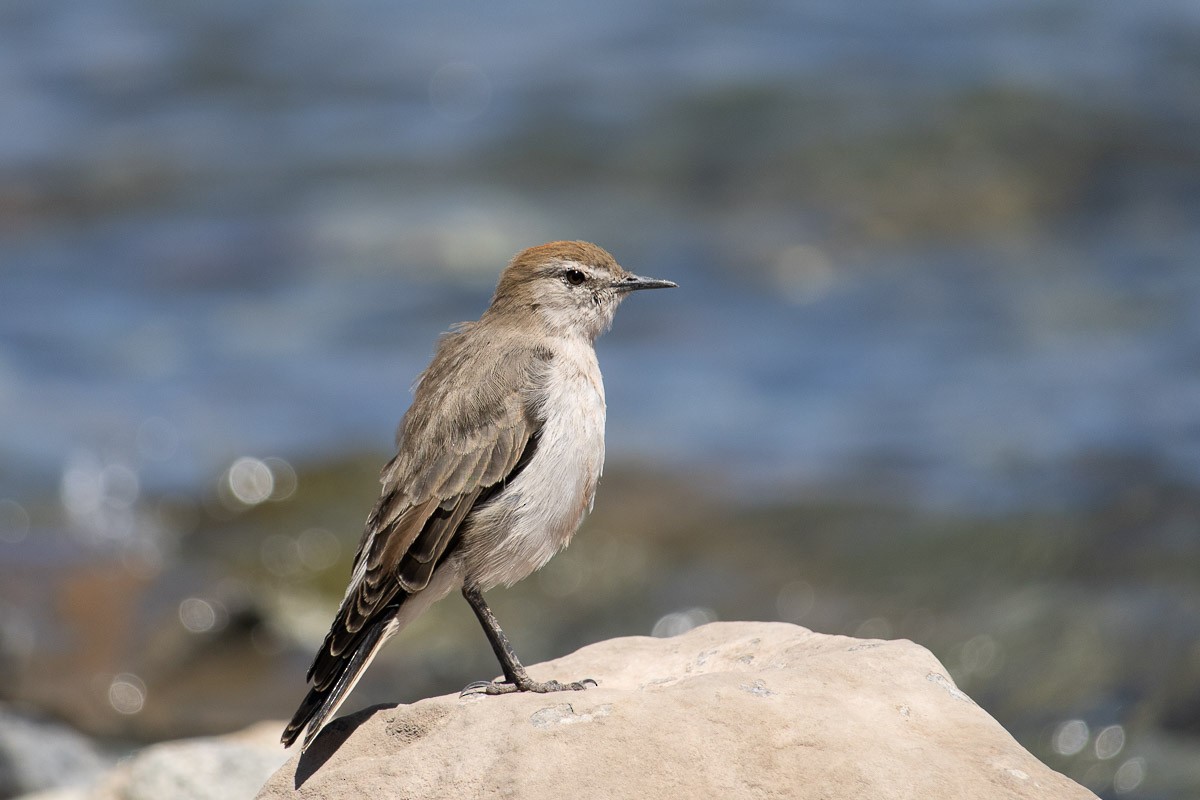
point(468, 431)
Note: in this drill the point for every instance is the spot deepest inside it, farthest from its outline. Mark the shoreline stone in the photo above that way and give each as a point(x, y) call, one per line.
point(732, 709)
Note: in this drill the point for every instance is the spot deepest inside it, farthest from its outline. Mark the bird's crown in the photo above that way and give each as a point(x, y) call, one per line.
point(535, 261)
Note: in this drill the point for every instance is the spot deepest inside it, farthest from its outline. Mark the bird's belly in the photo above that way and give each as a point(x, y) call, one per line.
point(537, 513)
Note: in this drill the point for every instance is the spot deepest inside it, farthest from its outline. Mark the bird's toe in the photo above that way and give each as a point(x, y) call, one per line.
point(484, 687)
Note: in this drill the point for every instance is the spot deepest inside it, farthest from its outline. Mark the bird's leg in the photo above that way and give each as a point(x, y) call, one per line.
point(516, 678)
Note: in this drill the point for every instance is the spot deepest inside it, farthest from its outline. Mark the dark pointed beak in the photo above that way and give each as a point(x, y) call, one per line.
point(631, 283)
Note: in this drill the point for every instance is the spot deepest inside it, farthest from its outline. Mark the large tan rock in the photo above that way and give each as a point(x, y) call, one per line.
point(729, 710)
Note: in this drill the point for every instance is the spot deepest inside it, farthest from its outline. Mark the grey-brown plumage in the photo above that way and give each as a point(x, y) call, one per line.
point(497, 463)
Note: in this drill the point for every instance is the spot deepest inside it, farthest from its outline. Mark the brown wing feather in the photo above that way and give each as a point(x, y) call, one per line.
point(416, 568)
point(466, 431)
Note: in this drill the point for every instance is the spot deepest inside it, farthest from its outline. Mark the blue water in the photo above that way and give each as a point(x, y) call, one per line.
point(237, 228)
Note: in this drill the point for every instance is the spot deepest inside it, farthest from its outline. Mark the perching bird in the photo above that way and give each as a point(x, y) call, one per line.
point(497, 463)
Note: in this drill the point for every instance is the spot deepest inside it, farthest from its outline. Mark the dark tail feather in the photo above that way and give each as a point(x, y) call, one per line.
point(320, 704)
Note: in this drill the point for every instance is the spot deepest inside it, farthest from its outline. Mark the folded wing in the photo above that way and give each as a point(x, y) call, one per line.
point(470, 430)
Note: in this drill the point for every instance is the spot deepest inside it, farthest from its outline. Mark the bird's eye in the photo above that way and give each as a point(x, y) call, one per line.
point(573, 277)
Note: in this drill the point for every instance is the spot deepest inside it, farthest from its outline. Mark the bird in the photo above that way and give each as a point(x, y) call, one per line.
point(497, 462)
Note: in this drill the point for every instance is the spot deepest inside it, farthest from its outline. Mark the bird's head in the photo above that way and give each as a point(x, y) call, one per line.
point(573, 288)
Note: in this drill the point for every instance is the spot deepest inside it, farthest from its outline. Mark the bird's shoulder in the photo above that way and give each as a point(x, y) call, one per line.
point(476, 358)
point(477, 401)
point(477, 375)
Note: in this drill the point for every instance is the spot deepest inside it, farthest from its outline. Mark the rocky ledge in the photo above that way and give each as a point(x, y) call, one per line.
point(731, 710)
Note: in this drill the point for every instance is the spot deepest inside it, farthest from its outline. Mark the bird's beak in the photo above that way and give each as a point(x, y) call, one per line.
point(631, 283)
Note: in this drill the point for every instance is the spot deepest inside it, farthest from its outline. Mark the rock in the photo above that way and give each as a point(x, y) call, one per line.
point(207, 768)
point(731, 710)
point(39, 755)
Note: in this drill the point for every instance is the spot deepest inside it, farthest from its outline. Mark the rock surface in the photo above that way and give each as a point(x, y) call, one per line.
point(38, 754)
point(731, 710)
point(205, 768)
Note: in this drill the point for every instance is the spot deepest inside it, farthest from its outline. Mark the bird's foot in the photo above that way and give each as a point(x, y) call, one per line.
point(509, 687)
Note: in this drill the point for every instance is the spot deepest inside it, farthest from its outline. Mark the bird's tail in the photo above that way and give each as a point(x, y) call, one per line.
point(324, 698)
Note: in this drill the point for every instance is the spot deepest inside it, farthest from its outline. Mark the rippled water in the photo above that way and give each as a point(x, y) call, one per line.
point(243, 225)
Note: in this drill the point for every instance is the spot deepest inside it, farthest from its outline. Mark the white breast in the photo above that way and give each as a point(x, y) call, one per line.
point(536, 515)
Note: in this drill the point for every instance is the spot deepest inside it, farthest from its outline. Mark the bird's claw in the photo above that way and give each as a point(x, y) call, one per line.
point(474, 687)
point(539, 687)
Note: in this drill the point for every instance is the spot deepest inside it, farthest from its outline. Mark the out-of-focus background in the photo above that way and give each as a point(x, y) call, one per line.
point(933, 370)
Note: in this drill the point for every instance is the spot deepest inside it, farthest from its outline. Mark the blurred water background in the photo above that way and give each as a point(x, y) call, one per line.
point(933, 371)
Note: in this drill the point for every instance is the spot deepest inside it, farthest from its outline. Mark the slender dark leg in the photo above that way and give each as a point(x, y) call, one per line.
point(516, 679)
